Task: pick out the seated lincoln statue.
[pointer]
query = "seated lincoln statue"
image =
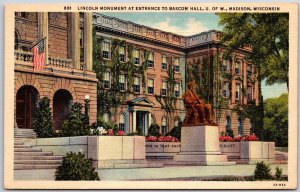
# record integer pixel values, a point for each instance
(197, 112)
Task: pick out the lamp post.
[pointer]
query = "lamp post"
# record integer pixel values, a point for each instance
(87, 108)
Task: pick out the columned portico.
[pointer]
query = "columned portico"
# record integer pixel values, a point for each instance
(140, 111)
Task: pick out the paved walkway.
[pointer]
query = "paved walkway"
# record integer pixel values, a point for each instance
(155, 173)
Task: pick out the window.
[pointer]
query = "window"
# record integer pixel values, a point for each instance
(164, 88)
(177, 90)
(106, 80)
(238, 68)
(151, 86)
(250, 93)
(121, 82)
(176, 65)
(150, 60)
(164, 126)
(177, 121)
(122, 122)
(105, 50)
(240, 126)
(136, 55)
(81, 43)
(238, 92)
(136, 85)
(225, 90)
(122, 54)
(228, 124)
(226, 65)
(249, 70)
(106, 117)
(164, 64)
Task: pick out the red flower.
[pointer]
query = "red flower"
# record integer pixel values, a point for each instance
(110, 132)
(120, 133)
(161, 139)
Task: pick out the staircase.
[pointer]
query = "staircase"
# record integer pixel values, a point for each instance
(24, 133)
(27, 157)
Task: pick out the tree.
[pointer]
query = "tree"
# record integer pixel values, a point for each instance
(267, 33)
(76, 123)
(42, 119)
(276, 120)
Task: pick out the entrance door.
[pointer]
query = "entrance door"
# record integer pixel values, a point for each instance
(26, 101)
(142, 122)
(62, 102)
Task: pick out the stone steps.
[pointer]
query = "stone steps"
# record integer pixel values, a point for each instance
(49, 157)
(29, 167)
(35, 162)
(34, 153)
(28, 149)
(24, 133)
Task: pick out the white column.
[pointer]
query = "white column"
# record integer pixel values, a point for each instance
(88, 40)
(75, 40)
(134, 121)
(149, 119)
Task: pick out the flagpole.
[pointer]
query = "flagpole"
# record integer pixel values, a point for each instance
(37, 43)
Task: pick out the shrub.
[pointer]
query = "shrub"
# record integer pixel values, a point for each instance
(175, 132)
(76, 167)
(42, 119)
(75, 124)
(154, 130)
(278, 173)
(229, 132)
(262, 171)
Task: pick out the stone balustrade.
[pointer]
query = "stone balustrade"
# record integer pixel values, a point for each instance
(60, 62)
(23, 56)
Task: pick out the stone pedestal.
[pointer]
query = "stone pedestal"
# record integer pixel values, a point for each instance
(201, 144)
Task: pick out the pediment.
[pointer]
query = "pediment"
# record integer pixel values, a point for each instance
(140, 101)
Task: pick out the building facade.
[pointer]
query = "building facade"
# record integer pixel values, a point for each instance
(229, 82)
(144, 70)
(67, 76)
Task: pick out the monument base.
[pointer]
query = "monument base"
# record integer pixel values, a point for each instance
(201, 144)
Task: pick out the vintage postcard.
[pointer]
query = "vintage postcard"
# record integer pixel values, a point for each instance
(151, 96)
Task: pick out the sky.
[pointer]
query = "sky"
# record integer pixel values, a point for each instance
(189, 24)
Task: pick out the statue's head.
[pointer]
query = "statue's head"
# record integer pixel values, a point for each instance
(191, 84)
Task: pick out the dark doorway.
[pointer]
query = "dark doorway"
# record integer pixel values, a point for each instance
(142, 122)
(26, 101)
(62, 102)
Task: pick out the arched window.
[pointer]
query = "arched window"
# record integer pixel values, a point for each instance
(122, 122)
(240, 126)
(106, 117)
(164, 125)
(228, 123)
(177, 121)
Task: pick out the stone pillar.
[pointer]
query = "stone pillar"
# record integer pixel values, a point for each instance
(88, 40)
(75, 40)
(149, 119)
(134, 121)
(43, 24)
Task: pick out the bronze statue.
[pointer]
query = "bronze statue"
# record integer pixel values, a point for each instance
(197, 112)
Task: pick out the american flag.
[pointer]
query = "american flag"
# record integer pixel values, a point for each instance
(38, 55)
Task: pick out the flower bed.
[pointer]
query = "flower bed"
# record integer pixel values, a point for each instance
(161, 139)
(227, 138)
